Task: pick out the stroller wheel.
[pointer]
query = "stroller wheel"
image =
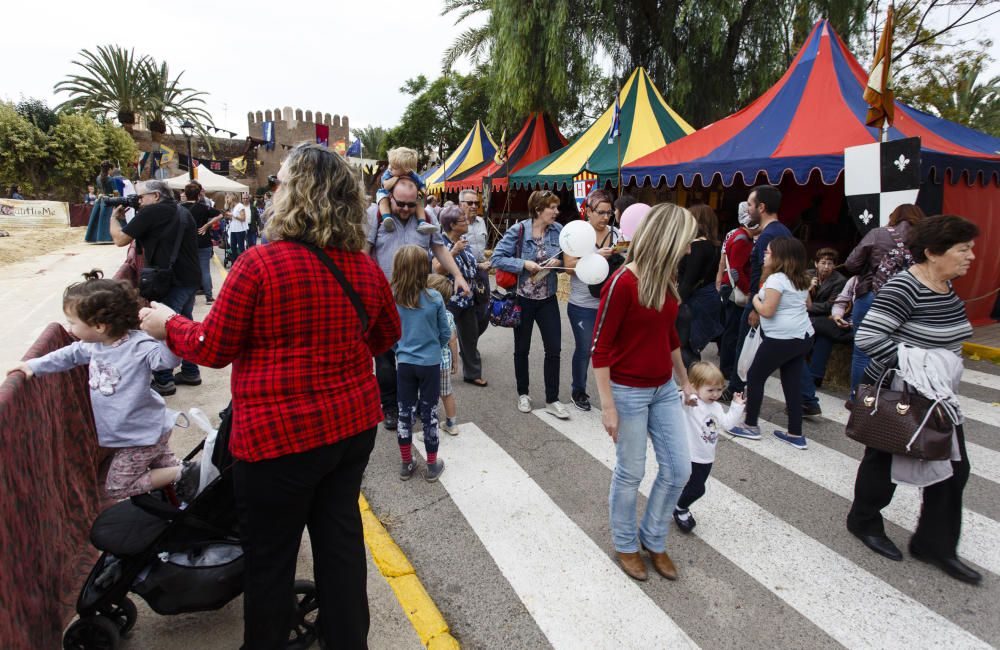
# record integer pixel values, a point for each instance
(304, 632)
(92, 633)
(122, 614)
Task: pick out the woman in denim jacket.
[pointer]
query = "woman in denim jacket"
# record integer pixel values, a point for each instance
(536, 290)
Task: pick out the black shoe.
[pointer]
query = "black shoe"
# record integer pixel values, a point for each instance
(391, 421)
(184, 380)
(165, 390)
(880, 544)
(685, 520)
(726, 397)
(808, 411)
(952, 566)
(209, 300)
(581, 401)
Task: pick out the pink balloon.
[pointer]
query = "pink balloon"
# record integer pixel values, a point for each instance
(631, 219)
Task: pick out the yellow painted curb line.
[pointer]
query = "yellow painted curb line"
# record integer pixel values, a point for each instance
(424, 615)
(978, 352)
(222, 269)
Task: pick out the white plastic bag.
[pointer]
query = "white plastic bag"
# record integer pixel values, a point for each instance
(208, 470)
(748, 353)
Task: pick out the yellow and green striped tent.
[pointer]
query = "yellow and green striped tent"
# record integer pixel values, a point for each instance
(476, 148)
(646, 123)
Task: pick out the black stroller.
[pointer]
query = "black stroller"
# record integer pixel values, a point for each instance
(177, 560)
(229, 255)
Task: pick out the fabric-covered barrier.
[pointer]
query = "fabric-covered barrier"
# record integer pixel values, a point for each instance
(50, 492)
(980, 204)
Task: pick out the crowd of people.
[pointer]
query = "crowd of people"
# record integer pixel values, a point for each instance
(342, 287)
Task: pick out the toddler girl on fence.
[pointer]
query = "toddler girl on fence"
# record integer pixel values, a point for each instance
(131, 418)
(424, 321)
(449, 357)
(705, 420)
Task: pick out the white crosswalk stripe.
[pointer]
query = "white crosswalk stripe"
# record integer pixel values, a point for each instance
(985, 461)
(984, 379)
(530, 539)
(837, 590)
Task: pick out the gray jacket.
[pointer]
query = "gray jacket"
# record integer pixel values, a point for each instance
(866, 256)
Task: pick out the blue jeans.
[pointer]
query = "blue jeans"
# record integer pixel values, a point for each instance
(822, 348)
(205, 260)
(859, 360)
(238, 240)
(582, 319)
(658, 412)
(181, 300)
(808, 385)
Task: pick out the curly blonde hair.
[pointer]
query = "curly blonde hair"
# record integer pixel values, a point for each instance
(319, 201)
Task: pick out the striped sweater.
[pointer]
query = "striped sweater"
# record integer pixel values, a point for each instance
(905, 311)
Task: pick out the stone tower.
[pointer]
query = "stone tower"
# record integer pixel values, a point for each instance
(291, 127)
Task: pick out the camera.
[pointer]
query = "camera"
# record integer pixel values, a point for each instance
(130, 201)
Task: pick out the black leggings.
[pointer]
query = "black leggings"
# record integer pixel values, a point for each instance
(788, 356)
(695, 488)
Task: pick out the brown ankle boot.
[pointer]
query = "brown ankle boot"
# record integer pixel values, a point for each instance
(662, 563)
(633, 566)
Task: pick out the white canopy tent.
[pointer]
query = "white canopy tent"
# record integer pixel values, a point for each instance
(212, 182)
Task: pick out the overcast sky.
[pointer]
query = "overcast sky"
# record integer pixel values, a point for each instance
(346, 58)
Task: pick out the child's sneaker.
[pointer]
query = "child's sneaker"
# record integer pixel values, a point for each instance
(427, 228)
(449, 427)
(388, 224)
(406, 470)
(746, 431)
(524, 404)
(685, 520)
(799, 442)
(434, 470)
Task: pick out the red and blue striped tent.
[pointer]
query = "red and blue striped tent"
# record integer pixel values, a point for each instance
(795, 134)
(803, 123)
(538, 137)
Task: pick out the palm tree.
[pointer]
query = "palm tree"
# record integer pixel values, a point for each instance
(112, 84)
(476, 42)
(167, 102)
(958, 95)
(372, 141)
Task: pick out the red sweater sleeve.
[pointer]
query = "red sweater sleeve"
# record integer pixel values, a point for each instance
(223, 335)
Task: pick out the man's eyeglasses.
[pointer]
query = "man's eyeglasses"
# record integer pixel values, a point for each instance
(476, 203)
(406, 204)
(605, 213)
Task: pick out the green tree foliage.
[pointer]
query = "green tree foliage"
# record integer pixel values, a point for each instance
(957, 93)
(57, 164)
(38, 113)
(440, 114)
(373, 140)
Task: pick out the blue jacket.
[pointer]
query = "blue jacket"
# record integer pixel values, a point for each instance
(504, 253)
(425, 330)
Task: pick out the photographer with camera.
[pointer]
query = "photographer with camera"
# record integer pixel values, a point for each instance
(166, 234)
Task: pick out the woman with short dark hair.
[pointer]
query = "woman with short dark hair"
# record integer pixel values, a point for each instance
(455, 230)
(305, 400)
(918, 307)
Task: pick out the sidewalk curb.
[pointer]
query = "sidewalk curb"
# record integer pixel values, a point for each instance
(424, 615)
(978, 352)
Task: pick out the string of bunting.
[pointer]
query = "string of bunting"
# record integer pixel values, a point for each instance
(215, 129)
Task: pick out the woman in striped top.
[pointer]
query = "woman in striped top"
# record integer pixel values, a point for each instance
(918, 307)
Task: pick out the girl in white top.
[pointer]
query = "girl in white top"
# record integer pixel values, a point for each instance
(705, 420)
(239, 223)
(782, 303)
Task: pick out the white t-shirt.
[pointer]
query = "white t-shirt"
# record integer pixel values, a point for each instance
(236, 225)
(791, 320)
(704, 422)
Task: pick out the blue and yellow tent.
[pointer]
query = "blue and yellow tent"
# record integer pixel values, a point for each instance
(646, 123)
(476, 148)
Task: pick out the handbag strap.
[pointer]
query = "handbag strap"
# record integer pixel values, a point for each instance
(181, 222)
(352, 294)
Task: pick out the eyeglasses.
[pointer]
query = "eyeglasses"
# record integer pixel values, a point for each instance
(406, 204)
(605, 213)
(471, 202)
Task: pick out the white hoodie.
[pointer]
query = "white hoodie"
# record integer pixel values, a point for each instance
(704, 422)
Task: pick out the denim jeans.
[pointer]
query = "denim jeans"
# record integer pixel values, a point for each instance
(238, 240)
(205, 260)
(822, 349)
(582, 320)
(181, 300)
(859, 360)
(656, 411)
(808, 386)
(546, 314)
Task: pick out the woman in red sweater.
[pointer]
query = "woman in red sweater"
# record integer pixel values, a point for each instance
(305, 399)
(636, 355)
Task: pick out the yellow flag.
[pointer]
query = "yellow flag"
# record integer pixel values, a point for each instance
(878, 94)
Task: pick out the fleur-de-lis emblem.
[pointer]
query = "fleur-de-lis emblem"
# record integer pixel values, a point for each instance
(901, 162)
(866, 216)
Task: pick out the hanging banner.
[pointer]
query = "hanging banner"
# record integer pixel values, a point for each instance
(581, 190)
(323, 134)
(15, 213)
(880, 177)
(220, 167)
(267, 130)
(340, 146)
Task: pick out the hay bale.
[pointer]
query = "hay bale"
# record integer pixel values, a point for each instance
(562, 291)
(838, 368)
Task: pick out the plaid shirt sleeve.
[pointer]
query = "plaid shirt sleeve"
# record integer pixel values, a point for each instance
(385, 329)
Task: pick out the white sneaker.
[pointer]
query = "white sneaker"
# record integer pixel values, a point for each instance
(524, 404)
(557, 409)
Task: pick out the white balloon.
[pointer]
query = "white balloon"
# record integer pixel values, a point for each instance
(592, 269)
(578, 238)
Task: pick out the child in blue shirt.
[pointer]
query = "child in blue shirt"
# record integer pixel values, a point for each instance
(425, 331)
(449, 357)
(402, 162)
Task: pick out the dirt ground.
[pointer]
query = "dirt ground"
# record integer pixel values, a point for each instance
(29, 242)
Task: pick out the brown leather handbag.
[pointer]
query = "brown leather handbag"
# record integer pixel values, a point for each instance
(900, 422)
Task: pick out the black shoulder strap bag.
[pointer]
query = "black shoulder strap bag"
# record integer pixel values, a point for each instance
(155, 282)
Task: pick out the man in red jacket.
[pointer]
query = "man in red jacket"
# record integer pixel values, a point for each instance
(734, 270)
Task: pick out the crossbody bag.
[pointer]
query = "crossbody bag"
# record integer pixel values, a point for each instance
(156, 282)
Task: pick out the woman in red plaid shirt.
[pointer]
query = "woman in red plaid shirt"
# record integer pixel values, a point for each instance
(305, 398)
